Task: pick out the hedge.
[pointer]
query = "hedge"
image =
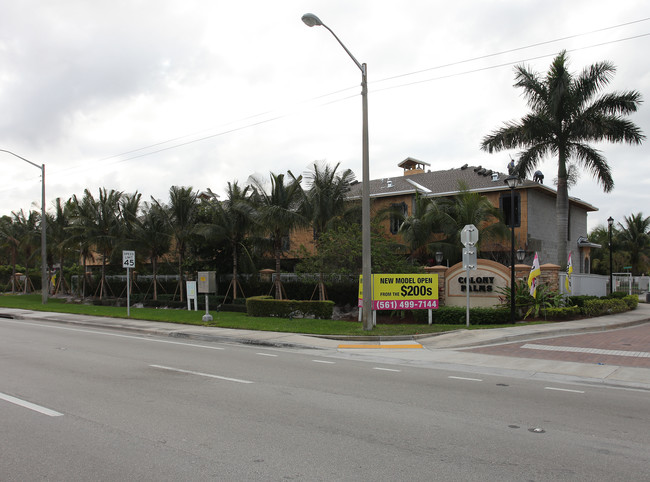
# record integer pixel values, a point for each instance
(267, 306)
(604, 307)
(457, 315)
(562, 313)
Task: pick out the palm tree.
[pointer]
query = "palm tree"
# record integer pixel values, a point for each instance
(325, 203)
(566, 114)
(59, 235)
(277, 213)
(10, 236)
(28, 234)
(418, 228)
(466, 208)
(635, 239)
(232, 221)
(152, 235)
(98, 225)
(181, 216)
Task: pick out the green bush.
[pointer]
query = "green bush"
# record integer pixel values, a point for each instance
(632, 301)
(267, 306)
(457, 315)
(604, 307)
(617, 295)
(562, 313)
(579, 300)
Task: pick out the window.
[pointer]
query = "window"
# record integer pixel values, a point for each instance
(504, 206)
(398, 212)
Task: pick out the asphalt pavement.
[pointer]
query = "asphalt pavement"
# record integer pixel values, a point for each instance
(612, 350)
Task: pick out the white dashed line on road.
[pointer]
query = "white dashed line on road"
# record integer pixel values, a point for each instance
(30, 406)
(563, 390)
(209, 375)
(468, 379)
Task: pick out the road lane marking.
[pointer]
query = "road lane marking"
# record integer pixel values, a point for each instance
(468, 379)
(386, 369)
(30, 406)
(596, 351)
(563, 390)
(266, 354)
(324, 361)
(201, 374)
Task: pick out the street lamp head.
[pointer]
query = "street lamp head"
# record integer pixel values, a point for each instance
(521, 254)
(311, 20)
(610, 221)
(512, 181)
(439, 256)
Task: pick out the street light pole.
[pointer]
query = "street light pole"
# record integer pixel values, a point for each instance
(512, 182)
(610, 223)
(44, 280)
(312, 20)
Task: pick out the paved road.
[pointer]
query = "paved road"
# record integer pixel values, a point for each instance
(628, 347)
(80, 403)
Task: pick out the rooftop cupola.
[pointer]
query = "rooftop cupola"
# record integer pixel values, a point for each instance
(413, 166)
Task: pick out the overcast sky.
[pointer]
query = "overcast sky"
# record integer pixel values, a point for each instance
(142, 95)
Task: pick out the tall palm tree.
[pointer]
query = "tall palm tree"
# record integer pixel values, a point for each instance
(152, 235)
(232, 222)
(567, 113)
(418, 228)
(98, 225)
(277, 213)
(634, 236)
(59, 236)
(181, 215)
(325, 203)
(28, 233)
(10, 237)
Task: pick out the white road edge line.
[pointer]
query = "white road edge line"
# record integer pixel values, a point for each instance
(209, 375)
(563, 390)
(468, 379)
(386, 369)
(30, 406)
(98, 331)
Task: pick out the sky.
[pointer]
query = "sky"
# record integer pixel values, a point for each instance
(141, 95)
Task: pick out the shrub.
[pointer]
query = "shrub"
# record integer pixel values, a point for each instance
(604, 307)
(267, 306)
(632, 301)
(579, 300)
(457, 315)
(562, 313)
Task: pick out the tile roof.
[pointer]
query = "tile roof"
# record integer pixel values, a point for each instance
(445, 183)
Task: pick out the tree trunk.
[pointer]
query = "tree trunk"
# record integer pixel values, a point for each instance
(278, 283)
(180, 274)
(562, 210)
(234, 272)
(154, 267)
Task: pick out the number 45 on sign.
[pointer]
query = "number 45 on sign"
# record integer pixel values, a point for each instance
(128, 259)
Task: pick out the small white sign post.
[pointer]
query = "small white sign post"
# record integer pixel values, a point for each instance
(128, 262)
(469, 238)
(191, 295)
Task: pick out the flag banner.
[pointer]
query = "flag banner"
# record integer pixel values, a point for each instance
(569, 270)
(535, 272)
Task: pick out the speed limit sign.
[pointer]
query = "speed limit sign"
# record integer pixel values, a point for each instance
(128, 259)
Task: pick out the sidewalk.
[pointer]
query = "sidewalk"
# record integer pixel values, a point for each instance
(450, 350)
